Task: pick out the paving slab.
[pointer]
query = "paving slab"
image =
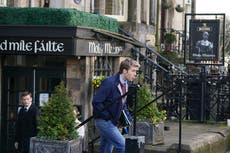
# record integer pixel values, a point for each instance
(195, 138)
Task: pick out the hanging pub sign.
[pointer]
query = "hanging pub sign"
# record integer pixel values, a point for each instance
(204, 40)
(39, 46)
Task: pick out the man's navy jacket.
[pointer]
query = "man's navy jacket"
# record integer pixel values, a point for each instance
(109, 92)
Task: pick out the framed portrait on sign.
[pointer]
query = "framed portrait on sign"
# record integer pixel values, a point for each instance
(204, 40)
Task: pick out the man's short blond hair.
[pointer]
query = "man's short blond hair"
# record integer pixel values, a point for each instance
(127, 63)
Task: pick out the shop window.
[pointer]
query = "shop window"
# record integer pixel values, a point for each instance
(35, 61)
(2, 2)
(104, 66)
(117, 9)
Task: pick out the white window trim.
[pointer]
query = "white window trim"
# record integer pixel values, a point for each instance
(2, 2)
(123, 17)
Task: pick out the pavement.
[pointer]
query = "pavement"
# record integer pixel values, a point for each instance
(195, 138)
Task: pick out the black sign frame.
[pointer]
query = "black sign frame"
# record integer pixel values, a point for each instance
(204, 39)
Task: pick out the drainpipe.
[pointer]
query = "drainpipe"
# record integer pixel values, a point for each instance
(157, 26)
(193, 7)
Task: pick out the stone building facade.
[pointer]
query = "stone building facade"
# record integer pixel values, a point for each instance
(40, 73)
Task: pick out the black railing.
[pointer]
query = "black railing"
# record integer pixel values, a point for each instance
(207, 95)
(158, 55)
(203, 97)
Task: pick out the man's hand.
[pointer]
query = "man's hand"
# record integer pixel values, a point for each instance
(16, 145)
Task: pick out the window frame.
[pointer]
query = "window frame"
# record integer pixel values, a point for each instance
(102, 65)
(123, 17)
(2, 2)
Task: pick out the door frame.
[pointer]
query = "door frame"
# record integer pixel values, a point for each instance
(30, 72)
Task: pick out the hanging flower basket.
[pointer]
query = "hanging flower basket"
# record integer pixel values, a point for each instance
(179, 8)
(166, 5)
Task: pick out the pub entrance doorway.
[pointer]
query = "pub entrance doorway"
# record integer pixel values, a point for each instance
(39, 81)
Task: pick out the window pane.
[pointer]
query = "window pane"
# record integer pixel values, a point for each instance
(114, 7)
(2, 2)
(117, 9)
(104, 66)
